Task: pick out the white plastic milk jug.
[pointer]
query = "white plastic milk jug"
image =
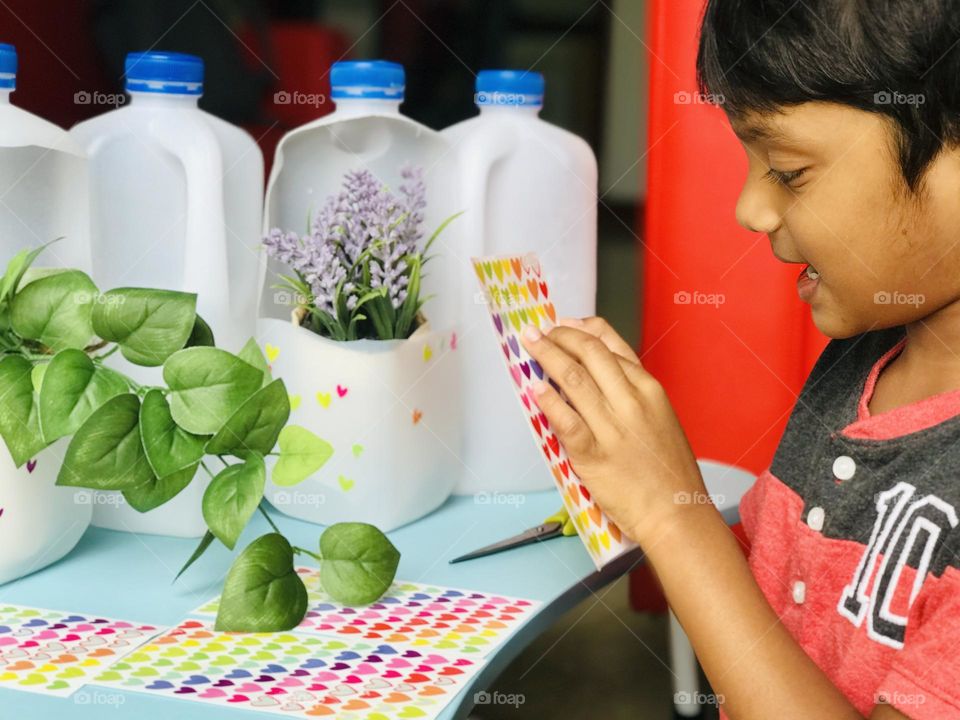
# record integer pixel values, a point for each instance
(389, 408)
(527, 185)
(43, 186)
(176, 204)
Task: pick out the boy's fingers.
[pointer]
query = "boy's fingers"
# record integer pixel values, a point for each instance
(600, 328)
(571, 429)
(573, 378)
(603, 365)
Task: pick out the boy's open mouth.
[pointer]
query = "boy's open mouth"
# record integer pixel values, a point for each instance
(807, 282)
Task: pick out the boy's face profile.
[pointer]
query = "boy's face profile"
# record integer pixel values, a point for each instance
(825, 185)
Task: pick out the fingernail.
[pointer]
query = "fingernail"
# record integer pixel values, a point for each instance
(531, 333)
(539, 387)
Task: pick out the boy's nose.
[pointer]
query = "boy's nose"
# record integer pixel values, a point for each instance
(756, 213)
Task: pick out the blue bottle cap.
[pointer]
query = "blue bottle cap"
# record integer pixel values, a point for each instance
(164, 72)
(509, 87)
(8, 67)
(367, 79)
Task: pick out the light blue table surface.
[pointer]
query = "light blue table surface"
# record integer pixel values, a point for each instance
(127, 576)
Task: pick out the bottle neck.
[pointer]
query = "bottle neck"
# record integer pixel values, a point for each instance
(5, 95)
(168, 100)
(510, 110)
(366, 106)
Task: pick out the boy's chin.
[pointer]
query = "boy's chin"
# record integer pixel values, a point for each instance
(833, 324)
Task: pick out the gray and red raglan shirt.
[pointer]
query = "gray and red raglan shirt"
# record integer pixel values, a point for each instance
(854, 533)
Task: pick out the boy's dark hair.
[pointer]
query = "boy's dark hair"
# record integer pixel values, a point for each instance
(899, 58)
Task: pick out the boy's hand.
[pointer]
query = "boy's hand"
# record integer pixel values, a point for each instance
(618, 427)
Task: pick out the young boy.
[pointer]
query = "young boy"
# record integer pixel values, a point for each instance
(849, 113)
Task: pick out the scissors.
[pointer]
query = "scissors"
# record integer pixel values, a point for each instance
(554, 526)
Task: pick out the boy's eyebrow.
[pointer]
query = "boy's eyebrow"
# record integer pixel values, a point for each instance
(762, 132)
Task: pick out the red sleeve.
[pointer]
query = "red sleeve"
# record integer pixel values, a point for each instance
(924, 681)
(749, 506)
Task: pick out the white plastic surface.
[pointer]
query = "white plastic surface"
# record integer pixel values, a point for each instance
(176, 204)
(40, 522)
(527, 185)
(43, 189)
(377, 402)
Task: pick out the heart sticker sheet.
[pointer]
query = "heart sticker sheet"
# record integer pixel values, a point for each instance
(518, 295)
(416, 615)
(56, 652)
(293, 673)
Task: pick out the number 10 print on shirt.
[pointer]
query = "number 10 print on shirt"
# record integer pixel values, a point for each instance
(907, 528)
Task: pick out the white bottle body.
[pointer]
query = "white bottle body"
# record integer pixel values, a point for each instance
(44, 189)
(527, 186)
(176, 203)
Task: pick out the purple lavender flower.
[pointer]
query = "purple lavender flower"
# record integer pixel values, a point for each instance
(364, 231)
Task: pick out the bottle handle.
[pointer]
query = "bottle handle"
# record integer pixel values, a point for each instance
(205, 262)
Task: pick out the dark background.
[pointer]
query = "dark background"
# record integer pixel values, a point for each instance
(255, 48)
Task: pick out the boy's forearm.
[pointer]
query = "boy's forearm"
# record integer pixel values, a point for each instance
(749, 657)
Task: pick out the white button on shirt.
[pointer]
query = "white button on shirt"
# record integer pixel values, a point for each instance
(799, 591)
(815, 518)
(844, 467)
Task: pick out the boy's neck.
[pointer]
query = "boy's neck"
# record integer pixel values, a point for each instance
(930, 360)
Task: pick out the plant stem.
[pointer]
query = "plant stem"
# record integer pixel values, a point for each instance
(108, 353)
(263, 511)
(99, 345)
(298, 550)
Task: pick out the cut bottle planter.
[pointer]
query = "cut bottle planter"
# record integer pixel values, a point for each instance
(40, 522)
(389, 408)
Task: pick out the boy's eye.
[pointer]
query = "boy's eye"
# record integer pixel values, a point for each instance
(784, 177)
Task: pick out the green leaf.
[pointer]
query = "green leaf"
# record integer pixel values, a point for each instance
(201, 335)
(252, 354)
(169, 447)
(201, 549)
(73, 387)
(36, 376)
(159, 490)
(106, 452)
(55, 310)
(207, 385)
(255, 425)
(262, 592)
(301, 454)
(19, 422)
(17, 266)
(232, 498)
(149, 325)
(359, 562)
(440, 228)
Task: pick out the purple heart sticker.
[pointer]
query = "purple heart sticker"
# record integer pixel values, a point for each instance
(536, 368)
